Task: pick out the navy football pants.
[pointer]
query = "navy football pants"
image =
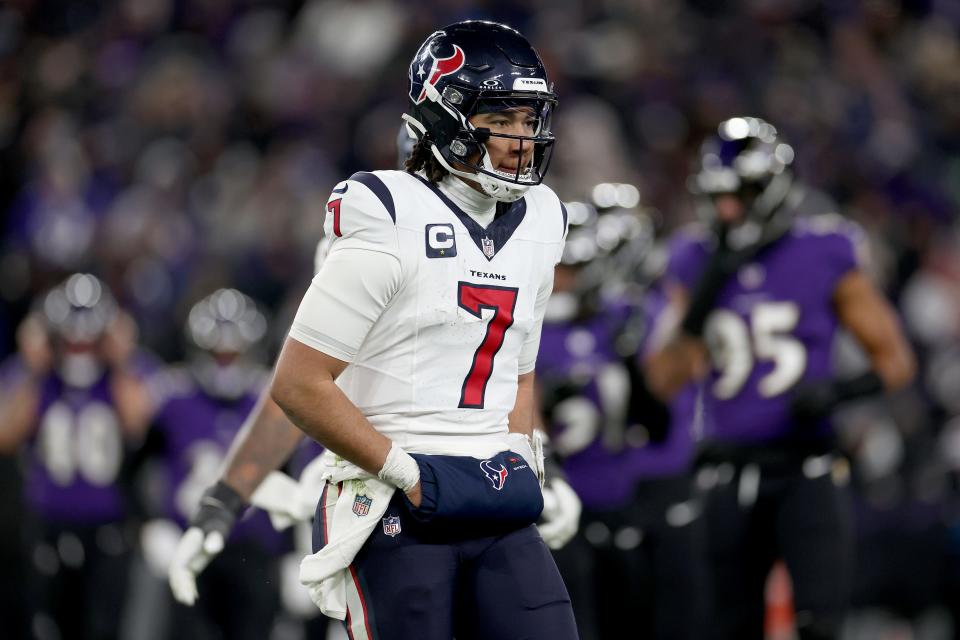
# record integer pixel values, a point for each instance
(430, 585)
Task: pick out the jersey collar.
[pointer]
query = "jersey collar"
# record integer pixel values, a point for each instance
(495, 236)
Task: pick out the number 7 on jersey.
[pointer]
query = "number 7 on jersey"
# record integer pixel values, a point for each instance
(474, 298)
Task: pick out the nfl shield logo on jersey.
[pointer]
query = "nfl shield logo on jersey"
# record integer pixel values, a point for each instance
(488, 249)
(391, 525)
(361, 505)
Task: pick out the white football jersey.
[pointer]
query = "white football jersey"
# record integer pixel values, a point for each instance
(442, 358)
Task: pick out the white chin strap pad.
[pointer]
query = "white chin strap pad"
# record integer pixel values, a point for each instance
(496, 188)
(499, 189)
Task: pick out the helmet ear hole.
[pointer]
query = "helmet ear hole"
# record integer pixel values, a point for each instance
(460, 148)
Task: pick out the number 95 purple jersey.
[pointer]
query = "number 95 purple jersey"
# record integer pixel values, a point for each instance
(773, 323)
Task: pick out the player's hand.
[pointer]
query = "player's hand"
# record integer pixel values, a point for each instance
(813, 401)
(415, 495)
(194, 552)
(33, 343)
(561, 513)
(159, 538)
(204, 539)
(403, 472)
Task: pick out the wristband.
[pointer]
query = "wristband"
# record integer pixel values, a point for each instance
(866, 384)
(815, 400)
(400, 469)
(219, 508)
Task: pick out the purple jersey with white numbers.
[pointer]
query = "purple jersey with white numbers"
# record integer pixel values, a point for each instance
(772, 326)
(579, 365)
(75, 455)
(197, 432)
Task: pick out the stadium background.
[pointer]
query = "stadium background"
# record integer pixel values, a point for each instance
(176, 146)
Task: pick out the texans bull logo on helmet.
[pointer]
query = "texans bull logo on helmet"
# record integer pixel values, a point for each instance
(427, 73)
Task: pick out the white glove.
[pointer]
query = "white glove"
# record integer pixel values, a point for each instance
(218, 510)
(561, 513)
(158, 540)
(194, 552)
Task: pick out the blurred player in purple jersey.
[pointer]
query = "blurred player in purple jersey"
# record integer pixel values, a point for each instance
(76, 404)
(762, 292)
(201, 408)
(635, 548)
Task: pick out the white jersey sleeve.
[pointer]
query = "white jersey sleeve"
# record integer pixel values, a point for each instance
(358, 270)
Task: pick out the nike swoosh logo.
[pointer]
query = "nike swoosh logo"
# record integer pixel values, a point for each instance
(344, 190)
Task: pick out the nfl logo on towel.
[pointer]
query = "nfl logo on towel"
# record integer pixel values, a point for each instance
(361, 505)
(488, 248)
(391, 525)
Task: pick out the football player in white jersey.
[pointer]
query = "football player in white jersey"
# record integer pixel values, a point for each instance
(411, 359)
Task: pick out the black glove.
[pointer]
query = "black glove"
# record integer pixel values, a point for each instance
(815, 400)
(219, 509)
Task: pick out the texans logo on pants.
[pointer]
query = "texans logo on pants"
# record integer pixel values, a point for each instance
(497, 477)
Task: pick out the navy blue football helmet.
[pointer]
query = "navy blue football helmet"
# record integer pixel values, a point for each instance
(476, 67)
(749, 159)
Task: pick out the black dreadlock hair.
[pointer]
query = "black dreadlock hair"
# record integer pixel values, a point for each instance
(422, 158)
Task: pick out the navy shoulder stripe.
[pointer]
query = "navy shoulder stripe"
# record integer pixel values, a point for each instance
(379, 189)
(563, 209)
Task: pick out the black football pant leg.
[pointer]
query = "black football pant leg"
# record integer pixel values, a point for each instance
(816, 537)
(673, 548)
(239, 592)
(608, 584)
(80, 583)
(741, 542)
(806, 521)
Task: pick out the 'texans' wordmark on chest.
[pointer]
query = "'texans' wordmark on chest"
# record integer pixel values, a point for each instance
(485, 274)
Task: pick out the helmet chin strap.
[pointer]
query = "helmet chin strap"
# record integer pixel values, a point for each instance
(498, 189)
(414, 127)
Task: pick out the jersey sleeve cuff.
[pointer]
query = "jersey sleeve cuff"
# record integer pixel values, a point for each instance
(322, 343)
(526, 367)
